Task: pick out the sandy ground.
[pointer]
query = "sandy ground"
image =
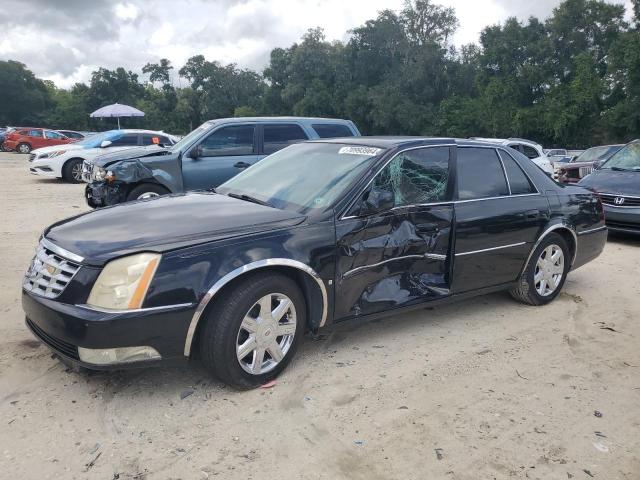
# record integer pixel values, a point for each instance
(484, 389)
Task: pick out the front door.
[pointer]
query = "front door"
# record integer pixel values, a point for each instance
(400, 255)
(497, 220)
(227, 151)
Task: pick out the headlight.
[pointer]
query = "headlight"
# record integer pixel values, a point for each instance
(98, 174)
(57, 153)
(123, 283)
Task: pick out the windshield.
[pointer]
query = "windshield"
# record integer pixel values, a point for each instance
(303, 177)
(186, 140)
(94, 141)
(628, 158)
(597, 153)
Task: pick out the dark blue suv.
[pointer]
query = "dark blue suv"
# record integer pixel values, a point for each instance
(205, 158)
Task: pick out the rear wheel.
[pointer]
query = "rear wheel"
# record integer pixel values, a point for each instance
(545, 273)
(23, 148)
(253, 331)
(72, 171)
(146, 190)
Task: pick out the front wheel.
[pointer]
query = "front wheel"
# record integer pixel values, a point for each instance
(72, 171)
(146, 190)
(23, 148)
(545, 273)
(253, 331)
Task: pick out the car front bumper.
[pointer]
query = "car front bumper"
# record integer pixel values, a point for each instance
(623, 219)
(64, 328)
(104, 194)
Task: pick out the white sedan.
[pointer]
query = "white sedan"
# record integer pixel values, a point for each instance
(65, 161)
(530, 149)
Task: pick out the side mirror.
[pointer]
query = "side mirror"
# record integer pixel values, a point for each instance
(195, 152)
(596, 164)
(105, 143)
(377, 200)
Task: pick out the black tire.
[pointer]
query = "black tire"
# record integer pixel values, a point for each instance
(219, 335)
(72, 170)
(150, 189)
(23, 148)
(526, 291)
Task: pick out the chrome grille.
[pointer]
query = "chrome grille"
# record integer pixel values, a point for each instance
(620, 200)
(584, 171)
(49, 273)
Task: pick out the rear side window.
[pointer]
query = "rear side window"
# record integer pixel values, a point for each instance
(127, 140)
(233, 140)
(53, 135)
(332, 130)
(34, 133)
(480, 174)
(276, 137)
(518, 181)
(150, 139)
(416, 176)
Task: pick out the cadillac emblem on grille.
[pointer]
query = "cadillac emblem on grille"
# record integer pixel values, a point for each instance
(48, 273)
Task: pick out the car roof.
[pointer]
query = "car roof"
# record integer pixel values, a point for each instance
(394, 142)
(277, 119)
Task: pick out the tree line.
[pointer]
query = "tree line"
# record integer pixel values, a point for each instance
(571, 80)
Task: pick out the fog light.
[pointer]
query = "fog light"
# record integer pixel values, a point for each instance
(114, 356)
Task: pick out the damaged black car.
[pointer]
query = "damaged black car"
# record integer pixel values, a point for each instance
(317, 233)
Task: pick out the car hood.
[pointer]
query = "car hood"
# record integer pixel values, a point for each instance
(164, 223)
(610, 181)
(129, 154)
(54, 148)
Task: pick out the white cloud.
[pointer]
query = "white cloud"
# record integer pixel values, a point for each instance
(67, 41)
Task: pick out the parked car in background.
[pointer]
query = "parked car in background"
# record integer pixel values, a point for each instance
(583, 165)
(617, 181)
(528, 148)
(207, 157)
(317, 233)
(65, 161)
(23, 140)
(72, 134)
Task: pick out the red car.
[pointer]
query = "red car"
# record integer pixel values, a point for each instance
(24, 140)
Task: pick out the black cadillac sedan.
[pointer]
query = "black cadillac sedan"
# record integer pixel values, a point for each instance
(317, 233)
(618, 183)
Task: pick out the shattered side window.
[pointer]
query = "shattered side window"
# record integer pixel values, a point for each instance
(416, 176)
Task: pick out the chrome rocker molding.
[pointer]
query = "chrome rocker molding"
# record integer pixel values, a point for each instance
(592, 230)
(270, 262)
(66, 254)
(553, 228)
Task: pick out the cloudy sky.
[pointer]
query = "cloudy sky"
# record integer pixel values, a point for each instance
(64, 40)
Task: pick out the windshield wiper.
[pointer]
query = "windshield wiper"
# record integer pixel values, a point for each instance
(248, 198)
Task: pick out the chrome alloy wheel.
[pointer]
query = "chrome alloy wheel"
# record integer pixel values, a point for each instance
(24, 148)
(266, 333)
(549, 270)
(144, 195)
(76, 172)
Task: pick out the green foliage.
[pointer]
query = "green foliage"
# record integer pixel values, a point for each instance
(571, 80)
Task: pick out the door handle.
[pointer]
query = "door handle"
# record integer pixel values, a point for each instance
(427, 228)
(242, 165)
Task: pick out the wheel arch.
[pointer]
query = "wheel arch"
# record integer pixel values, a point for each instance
(568, 234)
(64, 164)
(309, 281)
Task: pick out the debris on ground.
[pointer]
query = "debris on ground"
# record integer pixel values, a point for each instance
(88, 466)
(588, 472)
(600, 434)
(270, 384)
(524, 378)
(359, 442)
(601, 447)
(186, 392)
(439, 453)
(597, 414)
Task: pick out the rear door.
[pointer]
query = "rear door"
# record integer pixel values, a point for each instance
(36, 138)
(55, 138)
(399, 256)
(499, 213)
(224, 153)
(277, 136)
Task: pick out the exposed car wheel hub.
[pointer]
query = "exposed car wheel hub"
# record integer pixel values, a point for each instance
(147, 195)
(266, 334)
(549, 270)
